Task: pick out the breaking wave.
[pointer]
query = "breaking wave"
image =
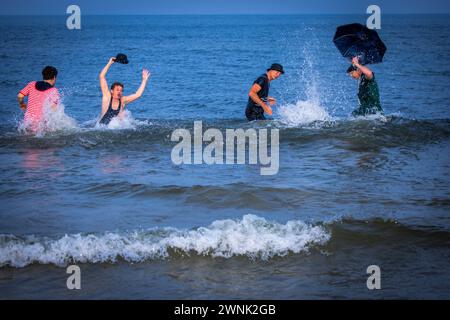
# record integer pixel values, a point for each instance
(252, 236)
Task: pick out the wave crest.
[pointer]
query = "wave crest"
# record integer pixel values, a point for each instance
(252, 236)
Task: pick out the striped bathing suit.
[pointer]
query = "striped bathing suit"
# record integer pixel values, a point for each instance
(39, 93)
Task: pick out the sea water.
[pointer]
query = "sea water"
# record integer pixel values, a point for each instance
(349, 193)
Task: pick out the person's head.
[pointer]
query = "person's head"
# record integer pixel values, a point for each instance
(49, 74)
(116, 90)
(354, 72)
(275, 71)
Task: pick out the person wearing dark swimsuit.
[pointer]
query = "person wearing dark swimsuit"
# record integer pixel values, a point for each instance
(114, 96)
(111, 113)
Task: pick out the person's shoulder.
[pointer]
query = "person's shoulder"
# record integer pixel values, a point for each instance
(106, 95)
(373, 78)
(30, 85)
(365, 79)
(262, 78)
(54, 91)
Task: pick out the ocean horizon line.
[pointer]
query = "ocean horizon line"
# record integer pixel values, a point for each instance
(224, 14)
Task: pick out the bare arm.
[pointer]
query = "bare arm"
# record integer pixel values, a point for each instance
(22, 104)
(102, 77)
(253, 94)
(140, 90)
(366, 71)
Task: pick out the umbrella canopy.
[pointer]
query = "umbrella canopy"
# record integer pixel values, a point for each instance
(357, 40)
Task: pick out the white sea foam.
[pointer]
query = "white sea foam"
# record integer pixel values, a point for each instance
(252, 236)
(371, 117)
(53, 120)
(56, 120)
(126, 121)
(302, 113)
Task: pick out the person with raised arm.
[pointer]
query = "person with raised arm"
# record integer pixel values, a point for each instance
(113, 101)
(368, 93)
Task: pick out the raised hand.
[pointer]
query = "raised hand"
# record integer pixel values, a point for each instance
(145, 74)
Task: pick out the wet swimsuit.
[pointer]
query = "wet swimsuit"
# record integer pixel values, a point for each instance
(369, 97)
(39, 94)
(254, 111)
(111, 113)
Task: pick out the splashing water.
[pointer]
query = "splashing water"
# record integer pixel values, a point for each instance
(302, 113)
(56, 120)
(304, 87)
(53, 120)
(126, 121)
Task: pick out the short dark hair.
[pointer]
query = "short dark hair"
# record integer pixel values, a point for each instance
(49, 72)
(351, 69)
(115, 84)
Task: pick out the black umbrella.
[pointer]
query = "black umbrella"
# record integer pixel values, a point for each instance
(357, 40)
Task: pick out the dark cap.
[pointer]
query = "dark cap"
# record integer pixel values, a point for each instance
(121, 58)
(276, 67)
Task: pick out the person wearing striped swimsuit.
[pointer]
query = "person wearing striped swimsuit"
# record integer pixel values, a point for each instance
(40, 94)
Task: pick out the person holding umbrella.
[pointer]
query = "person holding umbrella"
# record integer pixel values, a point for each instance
(368, 93)
(363, 46)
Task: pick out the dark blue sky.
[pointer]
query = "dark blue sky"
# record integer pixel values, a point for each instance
(53, 7)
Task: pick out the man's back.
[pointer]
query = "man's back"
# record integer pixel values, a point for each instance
(369, 97)
(39, 94)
